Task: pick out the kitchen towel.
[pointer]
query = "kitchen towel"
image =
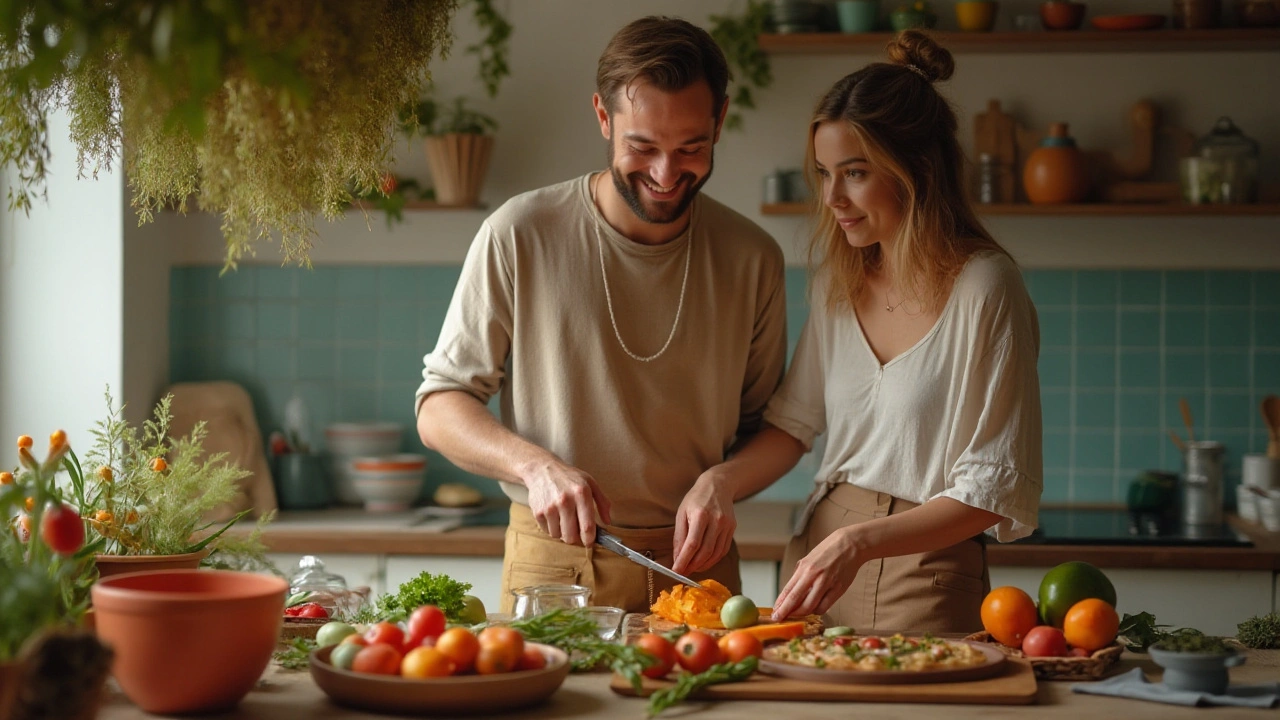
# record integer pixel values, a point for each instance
(1134, 684)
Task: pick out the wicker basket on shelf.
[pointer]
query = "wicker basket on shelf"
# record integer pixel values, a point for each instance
(1093, 667)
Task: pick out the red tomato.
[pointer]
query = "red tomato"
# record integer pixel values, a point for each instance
(387, 183)
(661, 650)
(1079, 652)
(494, 659)
(697, 651)
(871, 643)
(740, 645)
(378, 659)
(354, 639)
(62, 529)
(386, 633)
(427, 621)
(532, 659)
(1044, 641)
(307, 610)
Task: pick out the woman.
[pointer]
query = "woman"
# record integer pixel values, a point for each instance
(918, 362)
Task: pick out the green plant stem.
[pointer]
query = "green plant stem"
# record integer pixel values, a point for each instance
(687, 684)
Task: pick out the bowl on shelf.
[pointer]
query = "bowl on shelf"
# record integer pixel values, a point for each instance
(1128, 22)
(189, 641)
(976, 15)
(1061, 15)
(390, 483)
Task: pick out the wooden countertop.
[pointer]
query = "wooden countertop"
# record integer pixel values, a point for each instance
(292, 694)
(763, 532)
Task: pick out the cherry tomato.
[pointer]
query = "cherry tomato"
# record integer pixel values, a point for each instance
(62, 529)
(495, 659)
(1044, 641)
(424, 663)
(377, 659)
(661, 650)
(532, 659)
(307, 610)
(738, 646)
(697, 651)
(460, 646)
(871, 643)
(354, 639)
(385, 632)
(427, 621)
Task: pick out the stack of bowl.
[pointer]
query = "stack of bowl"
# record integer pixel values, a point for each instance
(389, 483)
(348, 441)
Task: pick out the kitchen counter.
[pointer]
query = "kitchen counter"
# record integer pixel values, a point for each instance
(763, 531)
(292, 694)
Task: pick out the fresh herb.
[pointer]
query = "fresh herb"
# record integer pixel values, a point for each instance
(295, 655)
(688, 684)
(1193, 643)
(426, 589)
(297, 598)
(1139, 632)
(891, 662)
(819, 662)
(1260, 633)
(366, 615)
(578, 635)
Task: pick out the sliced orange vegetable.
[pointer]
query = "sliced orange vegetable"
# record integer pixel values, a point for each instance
(776, 631)
(696, 607)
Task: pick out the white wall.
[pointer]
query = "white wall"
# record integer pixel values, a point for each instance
(548, 133)
(61, 325)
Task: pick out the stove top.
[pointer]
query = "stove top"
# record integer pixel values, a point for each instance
(1077, 526)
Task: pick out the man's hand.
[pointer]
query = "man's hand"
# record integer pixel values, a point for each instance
(821, 577)
(564, 501)
(704, 525)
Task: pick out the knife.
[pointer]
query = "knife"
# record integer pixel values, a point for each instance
(611, 542)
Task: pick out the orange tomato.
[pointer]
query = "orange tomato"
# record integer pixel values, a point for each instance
(159, 465)
(532, 659)
(56, 439)
(495, 659)
(354, 639)
(6, 478)
(460, 646)
(1091, 624)
(738, 646)
(1008, 614)
(379, 659)
(424, 662)
(25, 442)
(105, 473)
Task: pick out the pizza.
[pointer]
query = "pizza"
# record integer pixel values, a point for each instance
(877, 654)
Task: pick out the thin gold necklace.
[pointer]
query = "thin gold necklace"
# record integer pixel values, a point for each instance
(609, 300)
(889, 307)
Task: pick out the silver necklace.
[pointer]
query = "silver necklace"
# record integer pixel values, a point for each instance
(609, 300)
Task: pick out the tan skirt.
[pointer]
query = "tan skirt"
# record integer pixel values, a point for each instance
(532, 557)
(939, 591)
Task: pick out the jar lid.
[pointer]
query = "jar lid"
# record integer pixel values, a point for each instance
(1226, 140)
(312, 577)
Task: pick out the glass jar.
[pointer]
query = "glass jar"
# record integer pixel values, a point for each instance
(991, 180)
(1228, 161)
(538, 599)
(326, 589)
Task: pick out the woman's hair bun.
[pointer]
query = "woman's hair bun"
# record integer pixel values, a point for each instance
(915, 48)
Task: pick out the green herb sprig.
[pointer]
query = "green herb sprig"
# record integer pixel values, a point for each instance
(1260, 632)
(426, 589)
(688, 683)
(296, 654)
(577, 634)
(1139, 632)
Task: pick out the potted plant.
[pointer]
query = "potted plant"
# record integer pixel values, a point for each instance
(1195, 662)
(48, 667)
(459, 139)
(739, 38)
(145, 496)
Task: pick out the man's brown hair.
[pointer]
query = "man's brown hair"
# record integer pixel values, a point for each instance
(669, 53)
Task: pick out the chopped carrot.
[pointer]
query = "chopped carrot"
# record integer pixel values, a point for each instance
(776, 631)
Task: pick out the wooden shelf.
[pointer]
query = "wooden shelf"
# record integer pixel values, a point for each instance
(419, 205)
(1082, 210)
(1073, 41)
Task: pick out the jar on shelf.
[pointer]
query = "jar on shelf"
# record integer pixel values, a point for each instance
(991, 180)
(1056, 172)
(1196, 14)
(1224, 168)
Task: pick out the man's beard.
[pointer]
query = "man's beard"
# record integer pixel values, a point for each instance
(659, 215)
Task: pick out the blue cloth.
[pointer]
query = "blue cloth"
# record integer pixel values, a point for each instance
(1134, 684)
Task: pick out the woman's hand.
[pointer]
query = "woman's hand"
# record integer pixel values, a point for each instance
(564, 501)
(704, 524)
(821, 577)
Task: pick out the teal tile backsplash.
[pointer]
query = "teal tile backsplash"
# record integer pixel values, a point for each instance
(1118, 351)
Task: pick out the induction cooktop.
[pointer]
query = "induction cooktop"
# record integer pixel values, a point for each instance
(1089, 526)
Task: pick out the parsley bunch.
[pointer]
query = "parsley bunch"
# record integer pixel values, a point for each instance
(426, 589)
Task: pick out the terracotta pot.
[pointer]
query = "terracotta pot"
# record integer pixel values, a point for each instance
(59, 674)
(1056, 172)
(109, 565)
(11, 677)
(189, 641)
(458, 163)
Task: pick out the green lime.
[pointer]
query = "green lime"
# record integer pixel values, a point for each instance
(473, 611)
(331, 633)
(1068, 584)
(739, 612)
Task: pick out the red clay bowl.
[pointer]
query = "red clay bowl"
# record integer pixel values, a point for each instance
(189, 641)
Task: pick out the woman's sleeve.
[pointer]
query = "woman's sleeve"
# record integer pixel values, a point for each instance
(799, 407)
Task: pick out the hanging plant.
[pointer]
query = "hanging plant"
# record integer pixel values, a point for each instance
(739, 38)
(264, 112)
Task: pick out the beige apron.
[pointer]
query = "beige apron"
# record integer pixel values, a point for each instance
(531, 557)
(939, 591)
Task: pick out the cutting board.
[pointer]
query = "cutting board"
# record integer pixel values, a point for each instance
(1016, 686)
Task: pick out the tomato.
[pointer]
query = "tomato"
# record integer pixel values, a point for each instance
(333, 633)
(307, 610)
(502, 637)
(1044, 641)
(377, 659)
(62, 529)
(387, 183)
(427, 621)
(697, 651)
(425, 663)
(385, 632)
(532, 659)
(1079, 652)
(460, 646)
(495, 659)
(344, 654)
(871, 643)
(660, 649)
(356, 639)
(738, 646)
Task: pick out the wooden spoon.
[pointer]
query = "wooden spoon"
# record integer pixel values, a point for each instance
(1177, 442)
(1271, 415)
(1186, 419)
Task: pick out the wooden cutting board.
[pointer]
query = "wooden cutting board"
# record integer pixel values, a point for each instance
(1016, 686)
(812, 623)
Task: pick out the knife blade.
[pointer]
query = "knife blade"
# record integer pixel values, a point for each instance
(612, 543)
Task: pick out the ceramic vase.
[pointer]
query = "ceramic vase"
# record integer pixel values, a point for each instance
(458, 163)
(1057, 172)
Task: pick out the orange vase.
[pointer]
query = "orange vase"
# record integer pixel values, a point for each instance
(1057, 172)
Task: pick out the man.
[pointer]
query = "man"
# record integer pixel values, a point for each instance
(635, 329)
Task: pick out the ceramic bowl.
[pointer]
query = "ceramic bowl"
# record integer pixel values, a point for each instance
(462, 694)
(976, 15)
(1057, 15)
(389, 484)
(189, 641)
(346, 441)
(1196, 672)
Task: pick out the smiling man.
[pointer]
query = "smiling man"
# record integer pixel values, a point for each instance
(633, 330)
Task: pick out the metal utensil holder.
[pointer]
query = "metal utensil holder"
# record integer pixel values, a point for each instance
(1202, 478)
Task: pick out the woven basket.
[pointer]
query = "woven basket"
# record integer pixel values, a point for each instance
(1061, 668)
(301, 628)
